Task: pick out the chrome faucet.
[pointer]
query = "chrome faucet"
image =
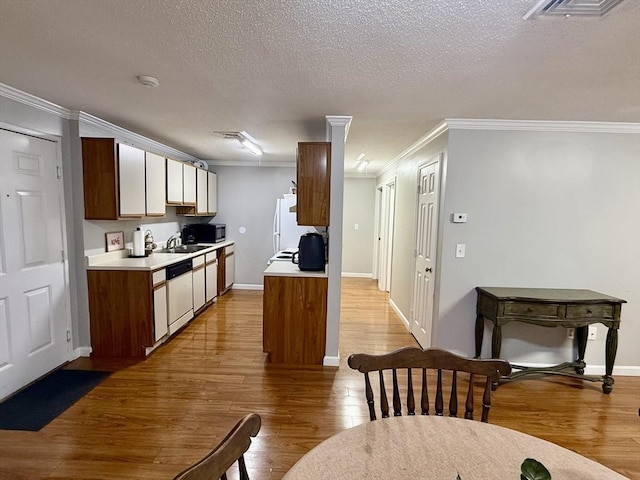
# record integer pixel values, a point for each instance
(171, 242)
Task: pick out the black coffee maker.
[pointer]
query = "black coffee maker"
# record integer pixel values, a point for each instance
(310, 255)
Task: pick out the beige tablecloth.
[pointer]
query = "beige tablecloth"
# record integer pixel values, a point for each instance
(429, 447)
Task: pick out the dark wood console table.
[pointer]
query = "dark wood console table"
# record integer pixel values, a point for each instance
(551, 307)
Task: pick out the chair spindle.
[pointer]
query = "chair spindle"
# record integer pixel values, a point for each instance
(424, 397)
(384, 403)
(453, 398)
(468, 410)
(411, 403)
(439, 403)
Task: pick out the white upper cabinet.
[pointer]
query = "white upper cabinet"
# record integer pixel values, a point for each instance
(174, 182)
(202, 192)
(155, 180)
(212, 197)
(131, 181)
(188, 184)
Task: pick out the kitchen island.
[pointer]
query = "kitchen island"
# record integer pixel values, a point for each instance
(294, 314)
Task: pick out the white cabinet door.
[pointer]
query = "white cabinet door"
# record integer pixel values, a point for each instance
(211, 280)
(156, 179)
(212, 198)
(201, 191)
(174, 182)
(198, 289)
(160, 318)
(230, 270)
(131, 181)
(188, 184)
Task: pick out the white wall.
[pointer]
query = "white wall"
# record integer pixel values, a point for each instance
(545, 209)
(247, 198)
(357, 244)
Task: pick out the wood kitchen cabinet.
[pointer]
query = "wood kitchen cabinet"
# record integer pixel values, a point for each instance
(212, 193)
(226, 268)
(175, 183)
(206, 203)
(313, 174)
(121, 181)
(294, 319)
(188, 184)
(202, 192)
(211, 277)
(199, 287)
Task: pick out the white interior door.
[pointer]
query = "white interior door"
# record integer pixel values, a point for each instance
(33, 310)
(426, 245)
(386, 236)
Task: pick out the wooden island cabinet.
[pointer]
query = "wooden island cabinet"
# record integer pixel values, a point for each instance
(294, 314)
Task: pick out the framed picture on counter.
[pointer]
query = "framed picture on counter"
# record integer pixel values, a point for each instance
(115, 241)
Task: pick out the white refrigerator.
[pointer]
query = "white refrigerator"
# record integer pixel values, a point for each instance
(286, 231)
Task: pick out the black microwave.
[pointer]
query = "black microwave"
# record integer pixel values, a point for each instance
(204, 233)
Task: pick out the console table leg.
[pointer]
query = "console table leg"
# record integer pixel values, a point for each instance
(611, 349)
(496, 341)
(479, 333)
(581, 334)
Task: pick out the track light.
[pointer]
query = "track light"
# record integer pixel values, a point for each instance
(249, 143)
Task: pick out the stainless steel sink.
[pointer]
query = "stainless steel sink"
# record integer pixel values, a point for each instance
(183, 249)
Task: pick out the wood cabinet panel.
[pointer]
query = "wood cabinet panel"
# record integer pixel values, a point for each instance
(160, 316)
(121, 312)
(313, 175)
(202, 192)
(294, 319)
(100, 177)
(199, 288)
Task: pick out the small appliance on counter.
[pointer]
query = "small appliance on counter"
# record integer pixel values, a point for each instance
(204, 233)
(149, 245)
(311, 253)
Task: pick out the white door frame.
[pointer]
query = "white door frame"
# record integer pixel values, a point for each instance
(63, 224)
(377, 225)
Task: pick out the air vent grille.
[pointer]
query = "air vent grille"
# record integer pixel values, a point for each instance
(564, 8)
(230, 135)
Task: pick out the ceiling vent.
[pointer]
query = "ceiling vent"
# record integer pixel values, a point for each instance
(570, 8)
(229, 135)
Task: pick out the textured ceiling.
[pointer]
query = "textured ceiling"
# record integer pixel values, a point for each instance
(275, 68)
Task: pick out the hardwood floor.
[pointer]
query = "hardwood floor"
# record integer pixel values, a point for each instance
(152, 419)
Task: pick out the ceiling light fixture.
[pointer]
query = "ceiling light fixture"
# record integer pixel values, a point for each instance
(362, 166)
(148, 81)
(568, 8)
(249, 143)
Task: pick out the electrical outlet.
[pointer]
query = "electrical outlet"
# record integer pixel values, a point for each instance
(460, 250)
(593, 332)
(571, 332)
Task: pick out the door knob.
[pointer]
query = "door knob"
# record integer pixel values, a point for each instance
(428, 269)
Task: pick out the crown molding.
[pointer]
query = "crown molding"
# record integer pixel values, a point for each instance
(360, 175)
(542, 125)
(33, 101)
(429, 137)
(249, 163)
(127, 136)
(340, 121)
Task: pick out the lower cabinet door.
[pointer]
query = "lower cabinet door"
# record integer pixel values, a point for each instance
(198, 289)
(211, 281)
(160, 319)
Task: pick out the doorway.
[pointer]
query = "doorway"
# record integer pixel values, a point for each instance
(34, 319)
(385, 199)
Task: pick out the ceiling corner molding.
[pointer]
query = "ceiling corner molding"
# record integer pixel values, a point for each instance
(429, 137)
(128, 136)
(542, 125)
(360, 175)
(340, 121)
(249, 163)
(33, 101)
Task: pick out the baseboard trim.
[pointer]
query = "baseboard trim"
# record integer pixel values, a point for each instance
(357, 275)
(331, 361)
(404, 319)
(81, 352)
(246, 286)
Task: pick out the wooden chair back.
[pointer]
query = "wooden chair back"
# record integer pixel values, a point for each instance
(430, 359)
(230, 450)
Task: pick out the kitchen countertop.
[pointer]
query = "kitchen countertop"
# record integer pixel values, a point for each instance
(120, 260)
(289, 269)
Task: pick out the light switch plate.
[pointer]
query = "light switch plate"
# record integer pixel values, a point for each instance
(459, 218)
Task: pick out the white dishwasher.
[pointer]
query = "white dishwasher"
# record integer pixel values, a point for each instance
(179, 294)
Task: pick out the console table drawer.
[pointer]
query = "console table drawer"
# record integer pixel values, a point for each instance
(548, 310)
(582, 311)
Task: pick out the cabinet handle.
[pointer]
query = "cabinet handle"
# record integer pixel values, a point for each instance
(428, 269)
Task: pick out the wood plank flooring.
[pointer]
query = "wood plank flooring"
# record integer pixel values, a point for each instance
(151, 419)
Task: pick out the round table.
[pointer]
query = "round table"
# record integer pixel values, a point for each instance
(430, 447)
